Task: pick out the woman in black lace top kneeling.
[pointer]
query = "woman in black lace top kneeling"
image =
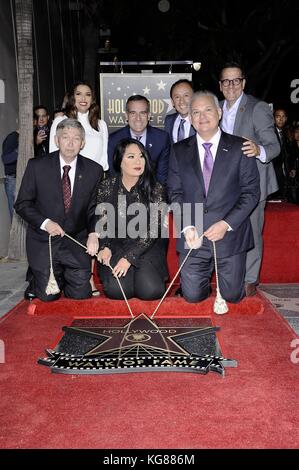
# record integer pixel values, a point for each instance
(132, 208)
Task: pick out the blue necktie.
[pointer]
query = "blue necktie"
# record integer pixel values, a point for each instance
(208, 163)
(181, 130)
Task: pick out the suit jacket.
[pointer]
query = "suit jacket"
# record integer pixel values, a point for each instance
(254, 120)
(233, 193)
(169, 123)
(41, 197)
(157, 145)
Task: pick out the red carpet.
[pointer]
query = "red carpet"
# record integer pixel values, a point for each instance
(254, 406)
(280, 239)
(281, 244)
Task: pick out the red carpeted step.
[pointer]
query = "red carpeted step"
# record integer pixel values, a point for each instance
(176, 306)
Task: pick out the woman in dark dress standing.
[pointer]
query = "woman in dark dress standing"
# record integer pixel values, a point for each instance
(132, 207)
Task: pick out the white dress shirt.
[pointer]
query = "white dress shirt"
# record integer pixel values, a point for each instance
(187, 126)
(214, 141)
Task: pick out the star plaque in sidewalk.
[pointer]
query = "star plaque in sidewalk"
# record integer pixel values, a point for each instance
(98, 346)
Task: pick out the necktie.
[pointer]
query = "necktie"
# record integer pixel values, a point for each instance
(208, 163)
(138, 137)
(181, 130)
(280, 136)
(66, 187)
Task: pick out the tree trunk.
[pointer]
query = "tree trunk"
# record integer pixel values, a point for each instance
(17, 249)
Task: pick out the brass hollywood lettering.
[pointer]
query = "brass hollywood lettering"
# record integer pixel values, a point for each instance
(116, 106)
(157, 106)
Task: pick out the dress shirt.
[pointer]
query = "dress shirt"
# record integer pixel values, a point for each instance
(143, 136)
(187, 126)
(228, 124)
(215, 142)
(71, 174)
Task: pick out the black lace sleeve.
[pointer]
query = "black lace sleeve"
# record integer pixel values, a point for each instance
(105, 213)
(133, 248)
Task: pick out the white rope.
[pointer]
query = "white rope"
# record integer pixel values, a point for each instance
(170, 285)
(123, 292)
(52, 286)
(120, 286)
(220, 306)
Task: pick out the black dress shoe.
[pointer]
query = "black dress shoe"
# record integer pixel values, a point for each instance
(28, 294)
(250, 289)
(179, 292)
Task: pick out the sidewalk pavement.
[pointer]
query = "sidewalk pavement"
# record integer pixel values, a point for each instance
(12, 283)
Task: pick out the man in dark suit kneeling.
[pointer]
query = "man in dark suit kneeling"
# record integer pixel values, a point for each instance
(57, 196)
(209, 172)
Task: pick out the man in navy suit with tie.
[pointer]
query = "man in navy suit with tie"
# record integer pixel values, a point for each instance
(156, 141)
(210, 173)
(58, 194)
(178, 125)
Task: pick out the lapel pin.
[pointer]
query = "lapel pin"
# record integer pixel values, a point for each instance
(225, 150)
(79, 177)
(150, 145)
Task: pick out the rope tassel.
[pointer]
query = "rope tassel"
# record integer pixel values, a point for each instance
(52, 286)
(220, 306)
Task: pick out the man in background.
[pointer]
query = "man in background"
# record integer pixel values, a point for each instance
(178, 124)
(281, 163)
(10, 149)
(41, 131)
(156, 141)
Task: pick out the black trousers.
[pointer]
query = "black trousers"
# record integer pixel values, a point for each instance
(71, 270)
(144, 282)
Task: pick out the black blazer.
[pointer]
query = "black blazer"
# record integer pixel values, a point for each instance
(233, 193)
(169, 123)
(40, 197)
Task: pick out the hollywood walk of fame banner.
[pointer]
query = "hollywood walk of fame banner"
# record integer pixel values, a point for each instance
(116, 88)
(106, 345)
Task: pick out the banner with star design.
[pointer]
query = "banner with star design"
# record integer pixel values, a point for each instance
(116, 88)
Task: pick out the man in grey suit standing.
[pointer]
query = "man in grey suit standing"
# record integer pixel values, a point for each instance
(246, 116)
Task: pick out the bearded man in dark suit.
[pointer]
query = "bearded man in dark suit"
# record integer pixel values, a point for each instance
(57, 196)
(210, 173)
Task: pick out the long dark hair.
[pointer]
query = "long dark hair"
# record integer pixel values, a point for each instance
(147, 180)
(94, 110)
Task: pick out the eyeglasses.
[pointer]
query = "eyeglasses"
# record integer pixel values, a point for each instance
(235, 81)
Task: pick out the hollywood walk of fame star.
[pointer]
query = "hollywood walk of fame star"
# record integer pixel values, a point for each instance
(141, 332)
